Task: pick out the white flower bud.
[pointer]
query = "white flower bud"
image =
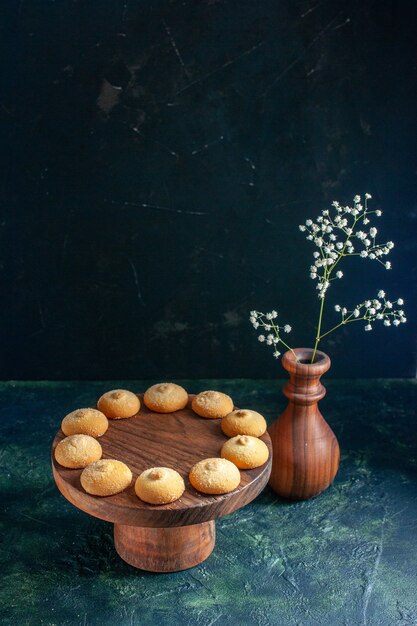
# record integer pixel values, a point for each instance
(339, 274)
(368, 327)
(261, 338)
(287, 328)
(400, 301)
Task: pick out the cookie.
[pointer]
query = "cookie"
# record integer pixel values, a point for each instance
(165, 398)
(244, 422)
(245, 452)
(214, 476)
(212, 404)
(159, 485)
(106, 477)
(78, 451)
(85, 422)
(119, 403)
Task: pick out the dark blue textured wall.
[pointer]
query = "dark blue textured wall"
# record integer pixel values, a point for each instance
(159, 158)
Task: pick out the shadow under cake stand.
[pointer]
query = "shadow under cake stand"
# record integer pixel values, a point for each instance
(170, 537)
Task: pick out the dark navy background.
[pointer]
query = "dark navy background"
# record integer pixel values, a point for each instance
(158, 159)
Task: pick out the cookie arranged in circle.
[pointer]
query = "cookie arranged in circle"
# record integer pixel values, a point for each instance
(106, 477)
(245, 452)
(244, 422)
(165, 398)
(77, 451)
(214, 476)
(85, 422)
(119, 404)
(159, 485)
(212, 404)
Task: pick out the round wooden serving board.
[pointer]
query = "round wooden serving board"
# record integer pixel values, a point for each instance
(177, 440)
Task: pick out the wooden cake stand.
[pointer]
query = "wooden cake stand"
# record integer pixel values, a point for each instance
(169, 537)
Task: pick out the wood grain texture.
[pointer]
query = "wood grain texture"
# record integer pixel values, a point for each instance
(165, 549)
(176, 440)
(306, 451)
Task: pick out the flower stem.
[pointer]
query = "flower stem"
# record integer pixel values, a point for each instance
(318, 330)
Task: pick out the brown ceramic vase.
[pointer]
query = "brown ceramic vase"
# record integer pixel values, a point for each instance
(305, 449)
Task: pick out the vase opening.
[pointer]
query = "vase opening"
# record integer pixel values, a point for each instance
(307, 360)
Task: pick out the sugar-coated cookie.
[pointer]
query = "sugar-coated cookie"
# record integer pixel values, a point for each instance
(165, 398)
(159, 485)
(106, 477)
(244, 422)
(85, 422)
(119, 403)
(78, 451)
(214, 476)
(212, 404)
(245, 452)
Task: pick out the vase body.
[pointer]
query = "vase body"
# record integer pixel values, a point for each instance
(305, 450)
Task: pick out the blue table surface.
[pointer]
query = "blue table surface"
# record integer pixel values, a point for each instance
(347, 557)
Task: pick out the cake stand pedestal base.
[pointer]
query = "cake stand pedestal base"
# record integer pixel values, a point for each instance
(165, 549)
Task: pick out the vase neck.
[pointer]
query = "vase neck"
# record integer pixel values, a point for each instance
(304, 386)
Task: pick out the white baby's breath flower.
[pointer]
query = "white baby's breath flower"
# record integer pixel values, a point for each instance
(333, 232)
